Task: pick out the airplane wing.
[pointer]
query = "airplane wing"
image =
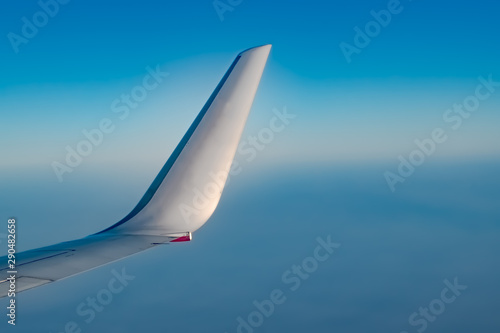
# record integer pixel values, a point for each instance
(179, 201)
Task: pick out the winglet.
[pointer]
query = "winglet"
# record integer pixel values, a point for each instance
(188, 188)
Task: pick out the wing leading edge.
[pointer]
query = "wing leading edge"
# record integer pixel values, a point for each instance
(181, 198)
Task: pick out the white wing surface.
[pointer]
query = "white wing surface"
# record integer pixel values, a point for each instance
(179, 201)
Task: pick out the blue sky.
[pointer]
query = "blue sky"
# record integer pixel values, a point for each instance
(325, 174)
(427, 58)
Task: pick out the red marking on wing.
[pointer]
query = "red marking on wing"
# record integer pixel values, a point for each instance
(186, 238)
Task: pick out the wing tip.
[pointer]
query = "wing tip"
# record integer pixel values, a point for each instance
(266, 47)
